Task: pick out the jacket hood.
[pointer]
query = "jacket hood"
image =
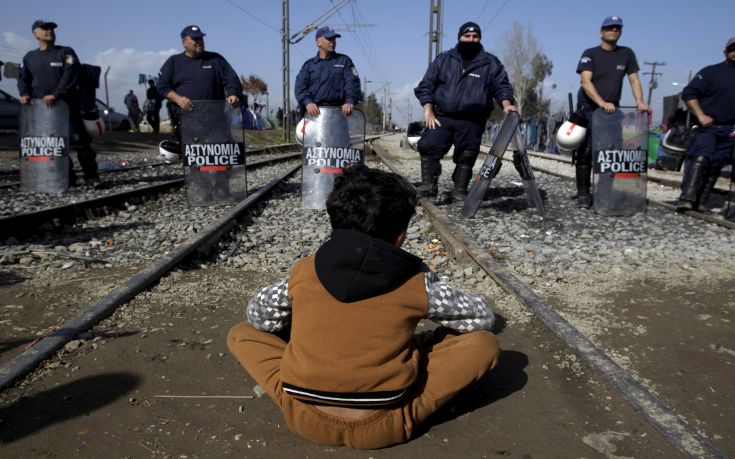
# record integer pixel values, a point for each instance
(353, 266)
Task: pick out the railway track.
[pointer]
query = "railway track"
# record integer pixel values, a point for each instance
(555, 390)
(663, 187)
(24, 223)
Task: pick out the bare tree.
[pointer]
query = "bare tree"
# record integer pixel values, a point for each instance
(526, 65)
(253, 85)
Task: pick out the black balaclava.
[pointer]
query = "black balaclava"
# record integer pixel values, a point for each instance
(468, 50)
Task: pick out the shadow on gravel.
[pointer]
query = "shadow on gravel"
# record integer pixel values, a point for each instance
(35, 412)
(11, 344)
(503, 380)
(8, 278)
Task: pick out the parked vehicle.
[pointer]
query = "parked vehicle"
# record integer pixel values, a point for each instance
(9, 110)
(114, 121)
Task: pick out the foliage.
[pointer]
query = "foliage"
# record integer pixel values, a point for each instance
(253, 85)
(373, 111)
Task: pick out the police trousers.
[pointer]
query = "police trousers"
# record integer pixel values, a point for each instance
(449, 363)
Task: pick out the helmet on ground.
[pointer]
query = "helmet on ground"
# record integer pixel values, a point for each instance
(301, 129)
(170, 151)
(571, 133)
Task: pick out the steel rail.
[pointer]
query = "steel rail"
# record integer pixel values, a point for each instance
(661, 417)
(31, 358)
(280, 148)
(24, 223)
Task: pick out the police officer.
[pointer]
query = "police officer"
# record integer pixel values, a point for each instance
(456, 94)
(602, 70)
(52, 73)
(328, 79)
(710, 96)
(196, 74)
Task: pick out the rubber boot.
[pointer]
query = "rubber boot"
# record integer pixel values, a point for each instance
(461, 178)
(584, 182)
(708, 187)
(429, 187)
(696, 172)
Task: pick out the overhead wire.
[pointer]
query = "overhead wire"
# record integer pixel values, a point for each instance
(482, 10)
(278, 31)
(496, 14)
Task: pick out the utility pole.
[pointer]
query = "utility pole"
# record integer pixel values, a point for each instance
(652, 84)
(435, 28)
(286, 73)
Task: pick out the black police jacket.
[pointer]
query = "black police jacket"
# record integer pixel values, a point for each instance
(465, 93)
(54, 71)
(333, 80)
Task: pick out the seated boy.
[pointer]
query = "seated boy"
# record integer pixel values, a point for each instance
(350, 370)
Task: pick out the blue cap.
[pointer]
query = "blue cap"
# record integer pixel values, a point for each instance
(44, 24)
(326, 32)
(612, 21)
(192, 31)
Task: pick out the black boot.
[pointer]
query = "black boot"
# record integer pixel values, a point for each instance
(429, 187)
(708, 186)
(584, 182)
(696, 172)
(461, 178)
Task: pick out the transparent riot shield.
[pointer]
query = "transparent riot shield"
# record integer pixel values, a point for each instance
(44, 147)
(523, 166)
(332, 142)
(619, 160)
(213, 154)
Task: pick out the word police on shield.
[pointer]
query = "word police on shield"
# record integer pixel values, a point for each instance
(42, 148)
(332, 157)
(621, 161)
(214, 154)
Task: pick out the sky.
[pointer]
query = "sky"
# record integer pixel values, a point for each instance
(387, 40)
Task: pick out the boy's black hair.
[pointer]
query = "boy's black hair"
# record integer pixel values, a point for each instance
(372, 201)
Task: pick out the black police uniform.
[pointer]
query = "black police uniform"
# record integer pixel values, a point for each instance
(712, 146)
(461, 93)
(199, 78)
(56, 71)
(331, 81)
(609, 69)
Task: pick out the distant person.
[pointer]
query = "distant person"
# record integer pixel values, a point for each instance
(602, 70)
(328, 79)
(334, 344)
(196, 74)
(457, 95)
(134, 112)
(710, 97)
(153, 104)
(51, 73)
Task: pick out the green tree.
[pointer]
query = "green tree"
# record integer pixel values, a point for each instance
(373, 112)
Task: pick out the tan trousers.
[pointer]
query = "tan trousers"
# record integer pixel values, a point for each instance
(449, 363)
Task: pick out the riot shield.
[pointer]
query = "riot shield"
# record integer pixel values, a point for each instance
(523, 166)
(489, 167)
(214, 162)
(332, 142)
(620, 158)
(44, 147)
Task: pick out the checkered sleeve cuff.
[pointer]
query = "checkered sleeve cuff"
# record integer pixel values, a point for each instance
(270, 310)
(455, 309)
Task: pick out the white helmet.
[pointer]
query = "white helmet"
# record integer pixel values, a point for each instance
(301, 129)
(95, 128)
(170, 151)
(571, 133)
